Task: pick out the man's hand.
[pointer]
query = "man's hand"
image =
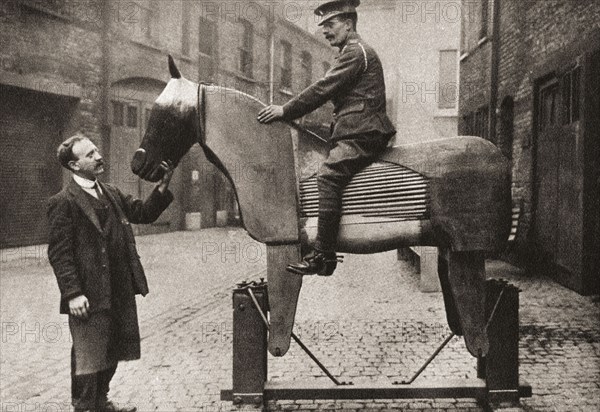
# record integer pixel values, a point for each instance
(270, 114)
(166, 179)
(79, 307)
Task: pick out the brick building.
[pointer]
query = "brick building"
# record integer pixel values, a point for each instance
(529, 82)
(96, 66)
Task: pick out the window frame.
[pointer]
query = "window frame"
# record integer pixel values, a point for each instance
(285, 63)
(245, 49)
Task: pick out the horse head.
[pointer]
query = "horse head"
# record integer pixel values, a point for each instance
(172, 129)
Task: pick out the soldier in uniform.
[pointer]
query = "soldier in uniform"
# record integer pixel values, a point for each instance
(360, 131)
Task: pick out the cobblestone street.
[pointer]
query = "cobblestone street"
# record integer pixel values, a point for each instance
(367, 322)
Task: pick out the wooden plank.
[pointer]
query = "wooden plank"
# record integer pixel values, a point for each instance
(392, 187)
(270, 216)
(466, 278)
(431, 389)
(469, 182)
(284, 289)
(447, 388)
(421, 194)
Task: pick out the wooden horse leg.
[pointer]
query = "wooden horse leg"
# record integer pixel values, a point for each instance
(462, 276)
(283, 289)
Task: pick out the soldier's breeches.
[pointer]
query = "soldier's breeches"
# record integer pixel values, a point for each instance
(346, 158)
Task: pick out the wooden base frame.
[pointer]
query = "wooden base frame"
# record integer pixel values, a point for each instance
(498, 372)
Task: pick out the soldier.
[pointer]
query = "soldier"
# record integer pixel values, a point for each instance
(360, 131)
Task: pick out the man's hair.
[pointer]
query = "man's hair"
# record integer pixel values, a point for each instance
(350, 16)
(65, 150)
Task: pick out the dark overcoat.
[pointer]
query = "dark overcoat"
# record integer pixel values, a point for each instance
(356, 86)
(77, 245)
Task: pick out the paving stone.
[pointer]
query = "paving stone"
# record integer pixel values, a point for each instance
(367, 323)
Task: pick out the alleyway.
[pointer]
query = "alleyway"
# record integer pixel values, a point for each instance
(368, 321)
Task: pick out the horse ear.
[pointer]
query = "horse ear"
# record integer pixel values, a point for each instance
(175, 74)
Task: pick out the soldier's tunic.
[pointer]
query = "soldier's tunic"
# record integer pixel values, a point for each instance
(360, 131)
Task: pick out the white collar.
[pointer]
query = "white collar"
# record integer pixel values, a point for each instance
(83, 182)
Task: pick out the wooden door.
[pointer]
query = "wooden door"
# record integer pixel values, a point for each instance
(559, 177)
(546, 168)
(31, 129)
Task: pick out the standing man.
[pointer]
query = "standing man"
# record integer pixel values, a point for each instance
(93, 254)
(360, 131)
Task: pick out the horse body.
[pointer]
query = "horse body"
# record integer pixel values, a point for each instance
(451, 193)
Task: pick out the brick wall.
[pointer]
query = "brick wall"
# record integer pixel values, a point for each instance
(536, 37)
(84, 49)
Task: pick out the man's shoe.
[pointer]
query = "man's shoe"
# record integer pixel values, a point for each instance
(110, 406)
(316, 263)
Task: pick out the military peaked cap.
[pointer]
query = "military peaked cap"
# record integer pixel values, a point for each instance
(330, 9)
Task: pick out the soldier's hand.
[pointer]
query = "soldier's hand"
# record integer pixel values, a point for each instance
(166, 179)
(79, 307)
(270, 114)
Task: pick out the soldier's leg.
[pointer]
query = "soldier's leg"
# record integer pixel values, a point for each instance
(345, 159)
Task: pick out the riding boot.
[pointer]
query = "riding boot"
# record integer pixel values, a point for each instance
(323, 259)
(316, 262)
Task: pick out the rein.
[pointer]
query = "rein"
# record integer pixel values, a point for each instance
(202, 119)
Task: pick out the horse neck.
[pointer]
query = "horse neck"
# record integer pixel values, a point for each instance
(258, 160)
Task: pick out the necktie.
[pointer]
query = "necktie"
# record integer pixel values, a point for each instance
(98, 192)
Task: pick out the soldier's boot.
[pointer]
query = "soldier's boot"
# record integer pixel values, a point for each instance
(316, 262)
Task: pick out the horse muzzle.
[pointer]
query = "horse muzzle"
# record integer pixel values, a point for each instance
(142, 167)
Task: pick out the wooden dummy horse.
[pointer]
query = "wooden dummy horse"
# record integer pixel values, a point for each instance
(452, 193)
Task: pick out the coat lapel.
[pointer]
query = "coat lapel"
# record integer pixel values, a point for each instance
(111, 197)
(82, 200)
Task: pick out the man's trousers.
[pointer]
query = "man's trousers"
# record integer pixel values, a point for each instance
(89, 391)
(346, 158)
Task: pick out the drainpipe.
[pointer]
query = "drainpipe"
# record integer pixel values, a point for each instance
(271, 57)
(494, 63)
(104, 90)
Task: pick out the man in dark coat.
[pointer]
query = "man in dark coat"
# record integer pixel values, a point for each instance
(93, 254)
(360, 131)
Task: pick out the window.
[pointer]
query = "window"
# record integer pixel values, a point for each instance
(306, 68)
(286, 65)
(476, 123)
(448, 74)
(147, 113)
(185, 27)
(548, 105)
(247, 41)
(506, 135)
(124, 114)
(571, 95)
(147, 20)
(117, 113)
(132, 116)
(485, 6)
(208, 34)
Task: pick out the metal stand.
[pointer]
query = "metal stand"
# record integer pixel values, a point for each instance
(497, 373)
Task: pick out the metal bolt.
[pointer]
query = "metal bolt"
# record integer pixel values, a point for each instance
(242, 307)
(237, 400)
